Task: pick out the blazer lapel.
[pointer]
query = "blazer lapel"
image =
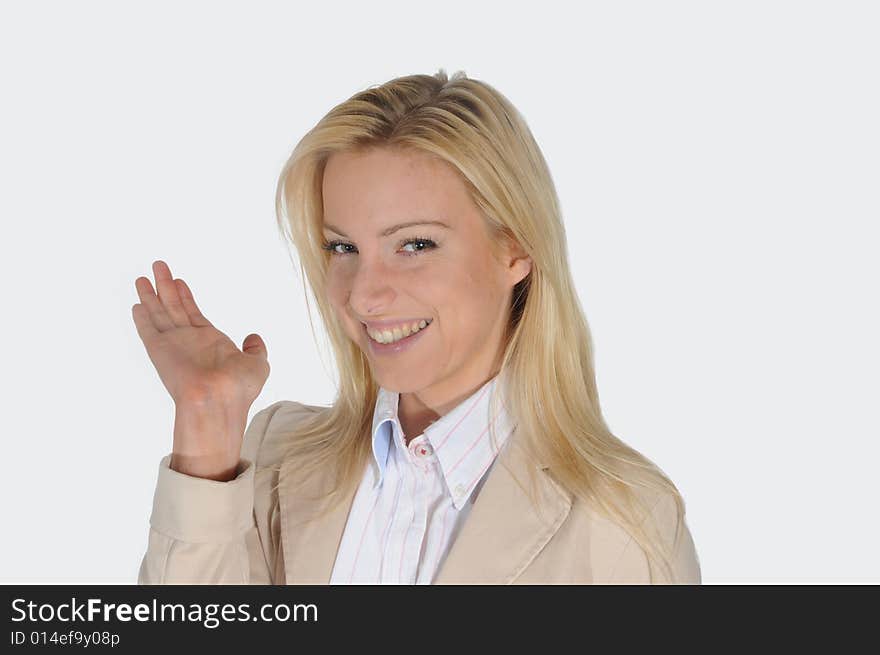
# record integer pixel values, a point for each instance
(504, 532)
(500, 537)
(310, 540)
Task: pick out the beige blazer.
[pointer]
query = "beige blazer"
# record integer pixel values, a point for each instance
(255, 530)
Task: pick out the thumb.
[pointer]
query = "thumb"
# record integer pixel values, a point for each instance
(253, 344)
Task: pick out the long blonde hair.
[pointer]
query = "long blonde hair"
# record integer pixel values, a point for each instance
(547, 378)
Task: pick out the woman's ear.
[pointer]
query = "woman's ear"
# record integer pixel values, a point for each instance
(518, 262)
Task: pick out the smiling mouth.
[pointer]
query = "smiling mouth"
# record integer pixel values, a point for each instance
(388, 336)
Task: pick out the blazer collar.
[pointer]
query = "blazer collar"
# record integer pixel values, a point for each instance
(505, 531)
(500, 537)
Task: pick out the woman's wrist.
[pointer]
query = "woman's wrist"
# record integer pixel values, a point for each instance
(207, 441)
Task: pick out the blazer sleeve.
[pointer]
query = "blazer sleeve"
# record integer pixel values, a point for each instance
(205, 531)
(633, 567)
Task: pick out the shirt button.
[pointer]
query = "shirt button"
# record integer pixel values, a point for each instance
(459, 491)
(423, 450)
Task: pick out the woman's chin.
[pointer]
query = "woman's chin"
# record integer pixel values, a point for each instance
(400, 381)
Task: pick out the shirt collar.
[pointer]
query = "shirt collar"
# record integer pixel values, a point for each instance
(462, 439)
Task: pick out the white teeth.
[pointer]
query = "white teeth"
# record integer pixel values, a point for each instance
(397, 333)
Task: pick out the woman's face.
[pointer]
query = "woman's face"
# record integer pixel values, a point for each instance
(446, 275)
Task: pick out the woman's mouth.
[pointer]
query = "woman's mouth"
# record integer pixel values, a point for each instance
(396, 340)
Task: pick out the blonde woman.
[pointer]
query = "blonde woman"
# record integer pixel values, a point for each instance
(466, 444)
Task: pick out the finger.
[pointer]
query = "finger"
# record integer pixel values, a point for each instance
(168, 294)
(189, 304)
(253, 344)
(155, 310)
(142, 323)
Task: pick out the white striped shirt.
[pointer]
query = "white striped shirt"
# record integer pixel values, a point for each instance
(413, 500)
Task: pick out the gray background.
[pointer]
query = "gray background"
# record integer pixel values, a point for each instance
(718, 169)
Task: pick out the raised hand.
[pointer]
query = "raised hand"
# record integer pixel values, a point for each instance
(207, 375)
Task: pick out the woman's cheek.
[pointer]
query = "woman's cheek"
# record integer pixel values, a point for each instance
(336, 296)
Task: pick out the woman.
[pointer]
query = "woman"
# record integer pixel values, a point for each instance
(466, 443)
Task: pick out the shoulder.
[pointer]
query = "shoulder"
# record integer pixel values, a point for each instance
(267, 433)
(665, 521)
(614, 556)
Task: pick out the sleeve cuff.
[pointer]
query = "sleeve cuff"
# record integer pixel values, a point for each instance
(199, 510)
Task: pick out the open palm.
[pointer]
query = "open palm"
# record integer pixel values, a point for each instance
(196, 362)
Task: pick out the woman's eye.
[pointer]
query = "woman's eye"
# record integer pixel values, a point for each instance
(333, 245)
(420, 245)
(426, 244)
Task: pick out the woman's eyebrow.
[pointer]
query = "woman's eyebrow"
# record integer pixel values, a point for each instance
(391, 230)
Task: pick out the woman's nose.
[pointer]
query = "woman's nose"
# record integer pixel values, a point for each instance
(371, 288)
